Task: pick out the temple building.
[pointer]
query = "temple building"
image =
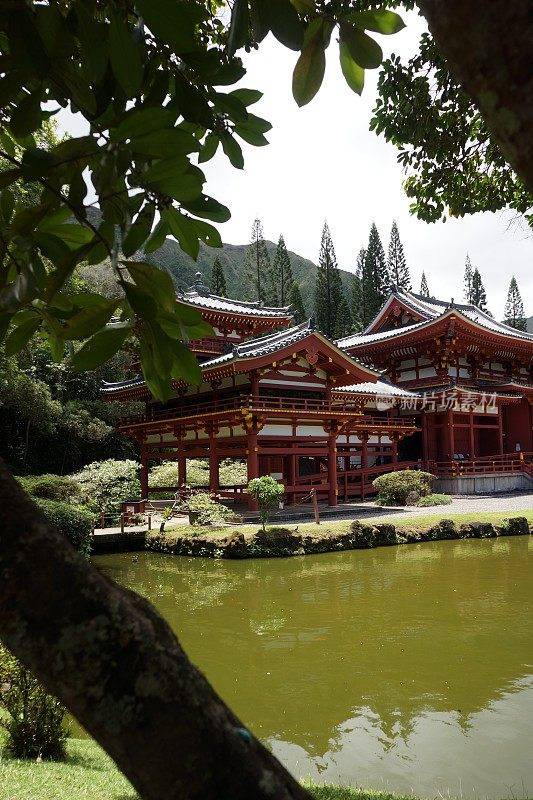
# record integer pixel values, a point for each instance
(428, 384)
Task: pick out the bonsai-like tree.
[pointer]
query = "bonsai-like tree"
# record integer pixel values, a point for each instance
(268, 492)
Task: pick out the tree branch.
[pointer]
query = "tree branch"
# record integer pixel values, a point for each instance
(117, 666)
(489, 49)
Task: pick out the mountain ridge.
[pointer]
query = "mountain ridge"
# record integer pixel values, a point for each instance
(183, 268)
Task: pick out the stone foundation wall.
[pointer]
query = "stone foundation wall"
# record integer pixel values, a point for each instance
(282, 542)
(484, 484)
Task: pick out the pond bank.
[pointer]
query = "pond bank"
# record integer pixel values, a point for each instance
(282, 542)
(89, 772)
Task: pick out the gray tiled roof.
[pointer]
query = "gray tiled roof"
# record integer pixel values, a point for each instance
(432, 309)
(264, 344)
(379, 388)
(215, 303)
(129, 384)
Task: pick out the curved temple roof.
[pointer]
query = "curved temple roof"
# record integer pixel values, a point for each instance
(429, 310)
(200, 296)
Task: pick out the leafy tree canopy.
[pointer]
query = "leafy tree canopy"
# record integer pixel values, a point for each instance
(454, 167)
(514, 308)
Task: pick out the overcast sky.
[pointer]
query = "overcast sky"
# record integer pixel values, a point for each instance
(323, 162)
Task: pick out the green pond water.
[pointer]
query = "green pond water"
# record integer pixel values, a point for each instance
(405, 668)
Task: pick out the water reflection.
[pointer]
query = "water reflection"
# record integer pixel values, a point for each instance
(409, 666)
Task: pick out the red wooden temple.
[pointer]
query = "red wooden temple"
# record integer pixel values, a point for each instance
(428, 384)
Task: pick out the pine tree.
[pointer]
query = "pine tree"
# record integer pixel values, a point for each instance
(469, 272)
(257, 282)
(358, 300)
(282, 273)
(218, 279)
(344, 323)
(296, 303)
(330, 318)
(396, 263)
(514, 308)
(478, 296)
(375, 277)
(424, 289)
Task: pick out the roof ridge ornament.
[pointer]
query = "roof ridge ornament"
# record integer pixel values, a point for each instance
(311, 323)
(199, 286)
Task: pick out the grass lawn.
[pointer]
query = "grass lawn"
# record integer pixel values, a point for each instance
(418, 521)
(89, 774)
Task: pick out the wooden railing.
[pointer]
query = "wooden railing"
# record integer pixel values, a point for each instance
(265, 404)
(209, 345)
(486, 465)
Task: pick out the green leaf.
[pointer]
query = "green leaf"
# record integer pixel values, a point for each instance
(233, 151)
(27, 219)
(285, 23)
(309, 70)
(304, 6)
(157, 238)
(176, 178)
(167, 142)
(21, 335)
(208, 233)
(364, 50)
(209, 147)
(93, 45)
(125, 56)
(208, 208)
(9, 176)
(380, 20)
(100, 348)
(69, 233)
(175, 22)
(185, 364)
(79, 148)
(153, 281)
(27, 116)
(260, 19)
(239, 25)
(183, 229)
(89, 320)
(353, 73)
(7, 205)
(139, 122)
(142, 303)
(139, 231)
(251, 136)
(247, 96)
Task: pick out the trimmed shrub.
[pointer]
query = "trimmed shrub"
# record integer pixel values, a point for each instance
(412, 499)
(434, 500)
(208, 510)
(268, 493)
(51, 487)
(395, 487)
(34, 720)
(74, 522)
(231, 473)
(106, 484)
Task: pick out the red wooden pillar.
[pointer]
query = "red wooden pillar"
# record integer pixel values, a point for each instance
(252, 463)
(144, 475)
(254, 385)
(332, 466)
(500, 430)
(182, 465)
(394, 441)
(425, 449)
(214, 484)
(364, 461)
(451, 437)
(472, 437)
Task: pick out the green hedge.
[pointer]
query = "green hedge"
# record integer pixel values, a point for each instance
(50, 487)
(74, 522)
(395, 487)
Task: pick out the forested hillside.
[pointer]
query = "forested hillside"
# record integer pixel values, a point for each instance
(182, 267)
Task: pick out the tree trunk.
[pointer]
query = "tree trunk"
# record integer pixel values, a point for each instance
(117, 666)
(489, 48)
